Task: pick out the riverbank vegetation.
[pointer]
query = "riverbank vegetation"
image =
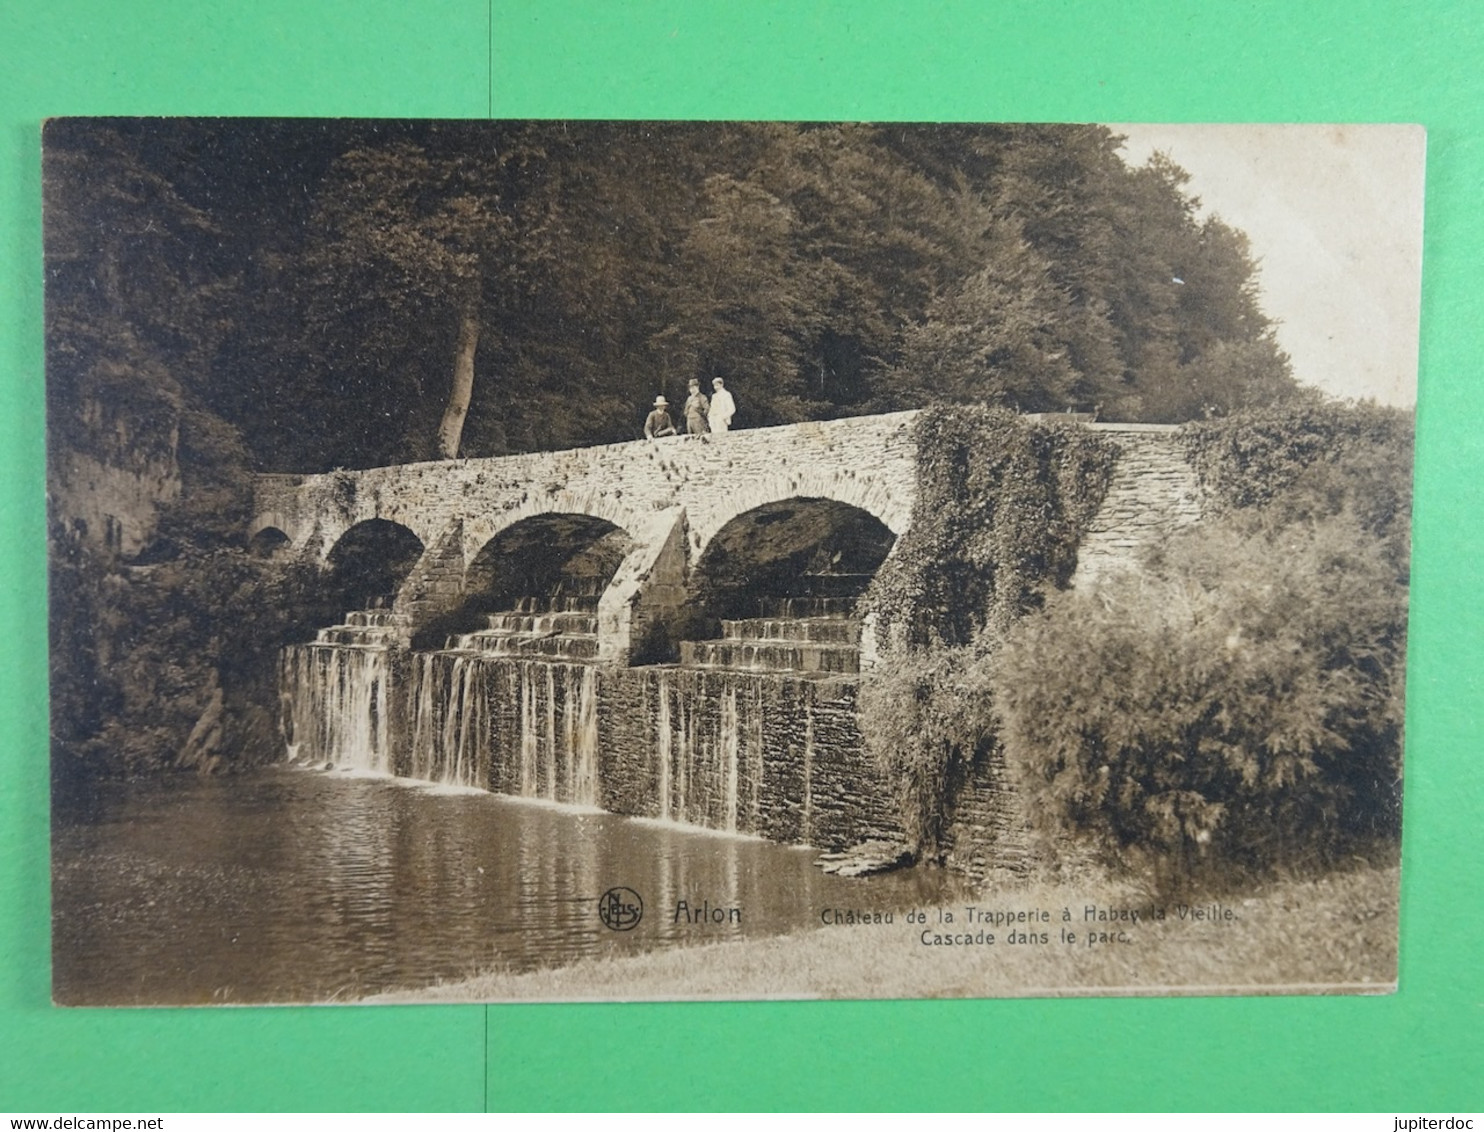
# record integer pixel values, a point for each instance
(172, 664)
(1237, 705)
(1230, 710)
(1002, 503)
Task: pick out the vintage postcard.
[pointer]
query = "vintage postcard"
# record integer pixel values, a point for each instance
(545, 560)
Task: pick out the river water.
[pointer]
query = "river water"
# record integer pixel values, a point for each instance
(293, 885)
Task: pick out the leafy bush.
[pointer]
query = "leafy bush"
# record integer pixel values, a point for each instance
(1308, 460)
(926, 716)
(141, 653)
(1240, 701)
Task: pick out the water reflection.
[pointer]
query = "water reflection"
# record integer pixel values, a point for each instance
(293, 885)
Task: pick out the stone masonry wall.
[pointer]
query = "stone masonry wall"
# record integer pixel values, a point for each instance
(986, 835)
(669, 737)
(436, 583)
(1154, 490)
(645, 595)
(113, 506)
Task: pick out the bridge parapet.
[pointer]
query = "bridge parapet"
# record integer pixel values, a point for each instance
(670, 496)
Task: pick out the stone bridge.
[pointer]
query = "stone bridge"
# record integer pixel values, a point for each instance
(671, 497)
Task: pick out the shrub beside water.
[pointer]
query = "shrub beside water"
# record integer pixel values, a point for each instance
(1233, 707)
(927, 716)
(141, 654)
(1238, 703)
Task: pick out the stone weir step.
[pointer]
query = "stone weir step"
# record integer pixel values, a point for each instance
(560, 646)
(358, 635)
(581, 585)
(785, 657)
(375, 618)
(562, 603)
(544, 624)
(834, 585)
(364, 628)
(818, 630)
(794, 608)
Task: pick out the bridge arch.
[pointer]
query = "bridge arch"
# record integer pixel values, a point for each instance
(369, 561)
(544, 561)
(855, 488)
(273, 521)
(603, 507)
(535, 555)
(268, 541)
(799, 556)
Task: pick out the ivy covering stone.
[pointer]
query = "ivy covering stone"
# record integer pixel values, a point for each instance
(1002, 503)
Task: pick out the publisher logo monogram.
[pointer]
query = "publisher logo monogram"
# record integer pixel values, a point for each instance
(620, 909)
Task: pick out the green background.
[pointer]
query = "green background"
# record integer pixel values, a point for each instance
(1047, 60)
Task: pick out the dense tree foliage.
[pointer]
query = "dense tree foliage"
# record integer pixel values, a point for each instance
(173, 664)
(339, 292)
(137, 303)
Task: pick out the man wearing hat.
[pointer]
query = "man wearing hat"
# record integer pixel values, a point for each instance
(696, 407)
(658, 423)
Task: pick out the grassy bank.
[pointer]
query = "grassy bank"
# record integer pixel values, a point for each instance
(1338, 933)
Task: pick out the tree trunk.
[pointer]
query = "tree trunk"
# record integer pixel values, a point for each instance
(452, 427)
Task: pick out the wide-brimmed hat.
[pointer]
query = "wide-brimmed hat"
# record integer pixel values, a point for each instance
(660, 403)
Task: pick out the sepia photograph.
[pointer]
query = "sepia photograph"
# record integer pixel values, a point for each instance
(593, 560)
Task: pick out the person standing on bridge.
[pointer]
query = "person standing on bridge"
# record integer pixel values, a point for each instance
(723, 408)
(696, 408)
(658, 423)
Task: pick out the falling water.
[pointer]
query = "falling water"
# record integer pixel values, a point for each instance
(729, 742)
(585, 739)
(530, 745)
(522, 727)
(664, 747)
(549, 764)
(807, 831)
(513, 708)
(450, 705)
(709, 737)
(336, 695)
(754, 733)
(737, 730)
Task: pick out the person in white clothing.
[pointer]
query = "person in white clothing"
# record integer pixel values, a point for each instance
(723, 408)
